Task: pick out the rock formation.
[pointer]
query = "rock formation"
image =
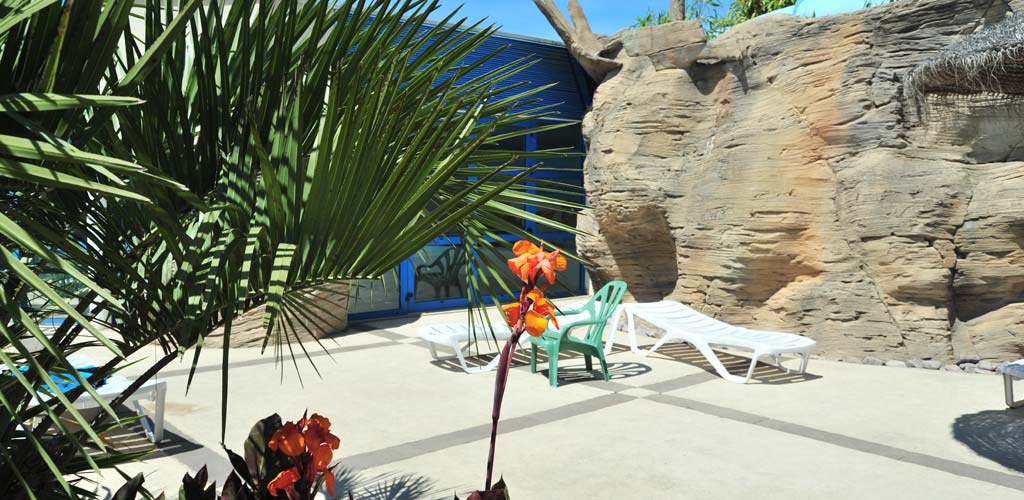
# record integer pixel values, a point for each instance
(856, 178)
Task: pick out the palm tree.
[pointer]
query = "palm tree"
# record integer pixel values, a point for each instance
(219, 159)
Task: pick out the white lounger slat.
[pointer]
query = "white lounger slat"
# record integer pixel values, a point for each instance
(682, 323)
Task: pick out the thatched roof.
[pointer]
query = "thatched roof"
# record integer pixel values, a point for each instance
(991, 60)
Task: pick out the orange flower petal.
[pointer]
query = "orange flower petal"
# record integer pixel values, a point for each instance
(285, 480)
(511, 314)
(329, 480)
(322, 421)
(522, 247)
(321, 457)
(536, 324)
(288, 440)
(560, 263)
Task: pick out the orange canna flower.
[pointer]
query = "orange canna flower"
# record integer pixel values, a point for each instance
(536, 323)
(288, 440)
(321, 457)
(318, 432)
(524, 263)
(531, 260)
(511, 314)
(548, 263)
(284, 481)
(543, 306)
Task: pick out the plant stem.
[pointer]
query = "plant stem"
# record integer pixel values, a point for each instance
(499, 393)
(504, 362)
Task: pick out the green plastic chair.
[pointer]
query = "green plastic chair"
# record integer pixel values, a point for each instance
(600, 307)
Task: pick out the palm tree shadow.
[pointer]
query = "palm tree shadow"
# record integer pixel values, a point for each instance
(389, 486)
(997, 435)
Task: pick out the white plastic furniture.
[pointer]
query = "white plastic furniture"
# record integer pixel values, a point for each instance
(1013, 371)
(454, 335)
(114, 385)
(682, 323)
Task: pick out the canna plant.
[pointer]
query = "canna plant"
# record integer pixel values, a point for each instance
(287, 461)
(530, 315)
(165, 175)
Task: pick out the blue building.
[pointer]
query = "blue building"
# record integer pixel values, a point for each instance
(434, 279)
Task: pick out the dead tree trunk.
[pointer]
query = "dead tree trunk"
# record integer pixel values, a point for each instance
(582, 43)
(677, 10)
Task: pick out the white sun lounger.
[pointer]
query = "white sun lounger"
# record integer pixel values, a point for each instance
(1011, 372)
(453, 335)
(114, 385)
(682, 323)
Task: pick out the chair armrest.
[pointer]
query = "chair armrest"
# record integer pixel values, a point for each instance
(427, 266)
(567, 312)
(580, 309)
(564, 329)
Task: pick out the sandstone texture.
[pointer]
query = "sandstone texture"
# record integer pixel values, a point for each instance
(786, 176)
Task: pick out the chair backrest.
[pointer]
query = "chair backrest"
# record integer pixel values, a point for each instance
(452, 261)
(601, 307)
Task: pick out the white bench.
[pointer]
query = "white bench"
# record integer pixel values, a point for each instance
(1013, 371)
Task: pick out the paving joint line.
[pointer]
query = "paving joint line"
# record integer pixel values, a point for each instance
(954, 467)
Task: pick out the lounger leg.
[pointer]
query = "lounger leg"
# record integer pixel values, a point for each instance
(458, 354)
(160, 397)
(616, 317)
(803, 362)
(657, 345)
(1008, 386)
(533, 358)
(631, 329)
(433, 350)
(604, 368)
(588, 362)
(553, 368)
(716, 363)
(753, 365)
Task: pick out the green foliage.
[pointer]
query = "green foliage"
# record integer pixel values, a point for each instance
(158, 183)
(742, 11)
(707, 12)
(57, 61)
(652, 18)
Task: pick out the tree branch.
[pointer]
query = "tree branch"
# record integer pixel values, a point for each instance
(582, 43)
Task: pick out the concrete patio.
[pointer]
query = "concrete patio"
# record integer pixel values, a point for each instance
(664, 427)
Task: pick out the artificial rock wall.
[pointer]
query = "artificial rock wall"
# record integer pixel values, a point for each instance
(785, 176)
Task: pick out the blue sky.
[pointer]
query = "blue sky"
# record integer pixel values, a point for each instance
(522, 17)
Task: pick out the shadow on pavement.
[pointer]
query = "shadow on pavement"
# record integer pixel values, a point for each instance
(616, 371)
(737, 365)
(997, 435)
(390, 486)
